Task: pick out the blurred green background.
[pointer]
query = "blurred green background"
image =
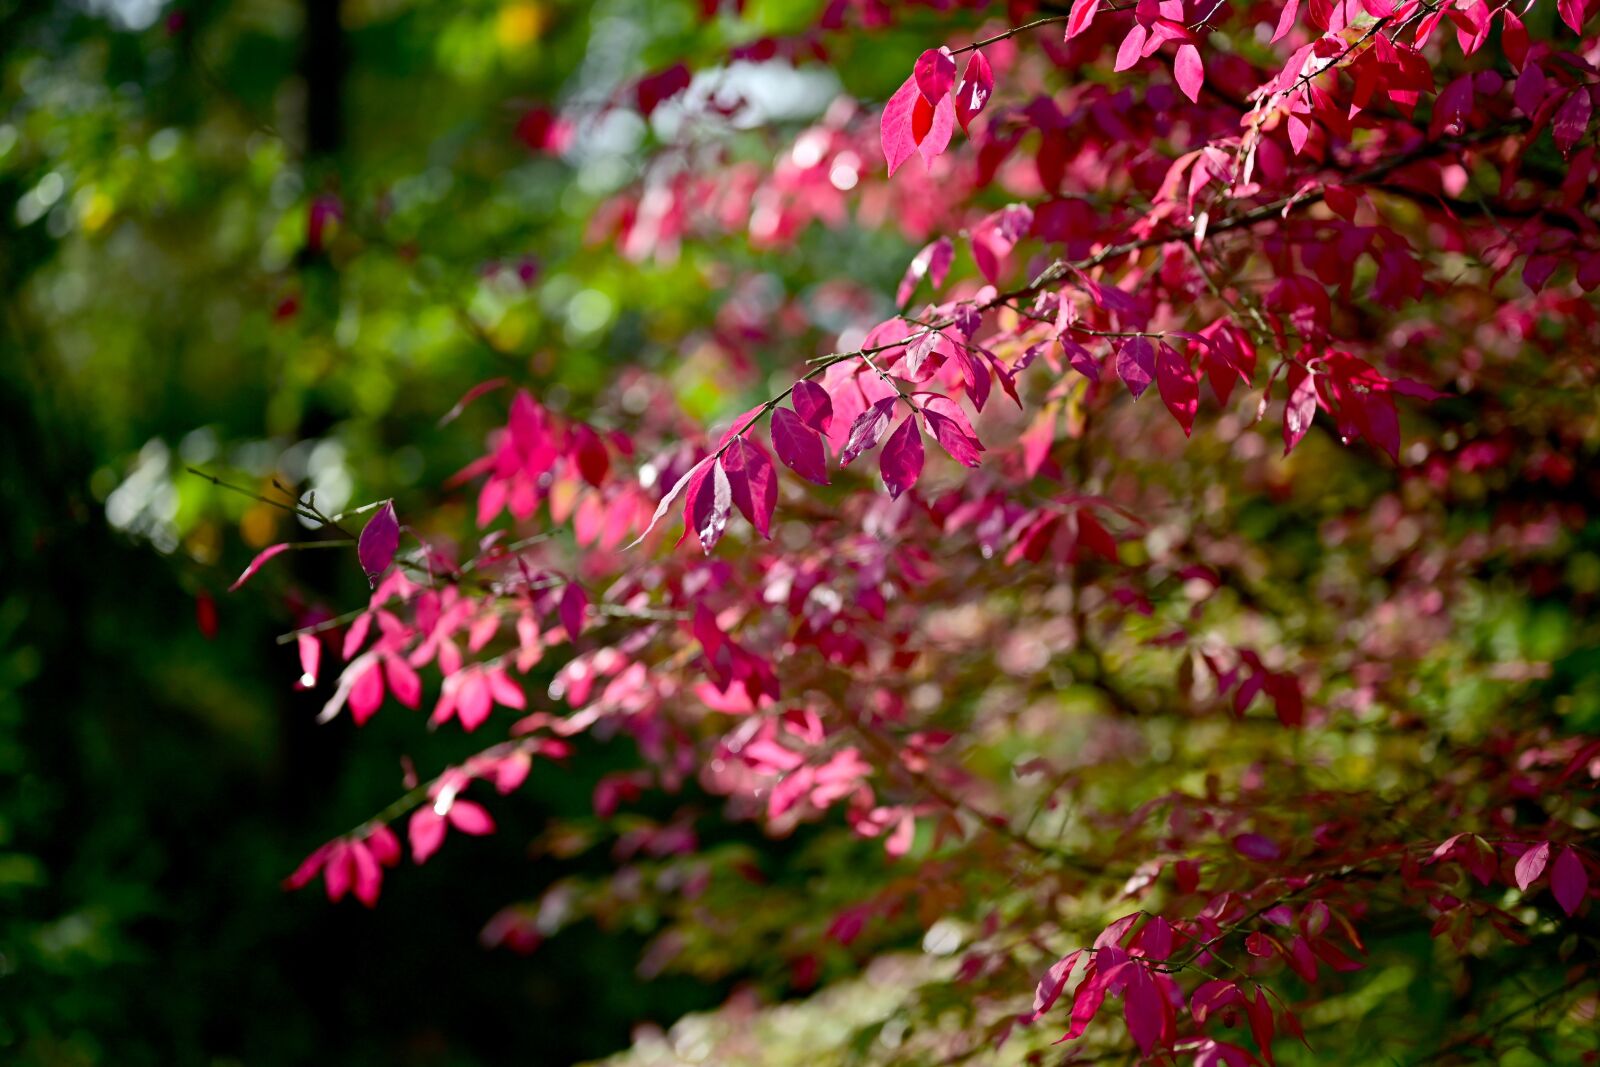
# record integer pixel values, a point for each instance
(271, 236)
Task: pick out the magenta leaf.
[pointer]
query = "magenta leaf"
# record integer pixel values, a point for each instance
(901, 459)
(261, 558)
(574, 606)
(753, 482)
(1572, 120)
(799, 446)
(935, 71)
(378, 541)
(709, 505)
(1136, 364)
(1257, 847)
(1568, 880)
(866, 430)
(813, 404)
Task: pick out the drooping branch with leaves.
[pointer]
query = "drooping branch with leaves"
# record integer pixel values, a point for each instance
(1203, 704)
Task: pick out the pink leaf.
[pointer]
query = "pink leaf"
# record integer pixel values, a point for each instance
(1190, 71)
(672, 494)
(799, 446)
(470, 818)
(977, 85)
(403, 681)
(1568, 880)
(933, 262)
(1132, 47)
(426, 831)
(1299, 408)
(378, 542)
(1179, 386)
(1053, 982)
(256, 564)
(469, 396)
(1286, 20)
(866, 430)
(1532, 865)
(901, 459)
(1081, 16)
(310, 659)
(368, 876)
(895, 129)
(935, 72)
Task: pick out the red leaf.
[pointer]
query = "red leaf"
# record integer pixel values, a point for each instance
(867, 429)
(1261, 1024)
(1568, 880)
(799, 446)
(256, 564)
(935, 72)
(378, 541)
(972, 95)
(1190, 71)
(901, 460)
(1179, 386)
(934, 125)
